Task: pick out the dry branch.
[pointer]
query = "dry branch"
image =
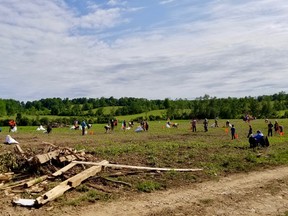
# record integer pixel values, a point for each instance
(117, 181)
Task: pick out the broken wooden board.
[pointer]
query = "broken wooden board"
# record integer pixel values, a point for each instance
(53, 193)
(67, 158)
(43, 158)
(35, 181)
(64, 169)
(18, 149)
(6, 176)
(69, 183)
(137, 167)
(77, 179)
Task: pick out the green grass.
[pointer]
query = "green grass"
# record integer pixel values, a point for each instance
(148, 186)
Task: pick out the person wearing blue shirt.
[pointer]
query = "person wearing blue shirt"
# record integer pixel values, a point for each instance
(258, 136)
(83, 125)
(233, 131)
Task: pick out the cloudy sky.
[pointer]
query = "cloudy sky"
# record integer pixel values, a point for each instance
(152, 49)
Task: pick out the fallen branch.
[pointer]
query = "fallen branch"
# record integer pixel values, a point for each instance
(99, 187)
(118, 182)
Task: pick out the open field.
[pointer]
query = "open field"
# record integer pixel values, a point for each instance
(214, 151)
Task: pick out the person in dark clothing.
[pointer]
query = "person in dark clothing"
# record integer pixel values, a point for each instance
(250, 132)
(83, 125)
(258, 140)
(194, 122)
(270, 128)
(112, 124)
(205, 125)
(233, 131)
(49, 129)
(276, 126)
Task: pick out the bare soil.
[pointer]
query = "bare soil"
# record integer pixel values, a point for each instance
(255, 193)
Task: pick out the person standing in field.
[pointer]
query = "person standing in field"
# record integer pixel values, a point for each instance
(233, 131)
(250, 132)
(49, 128)
(83, 125)
(216, 122)
(270, 128)
(205, 124)
(276, 126)
(124, 125)
(194, 122)
(112, 124)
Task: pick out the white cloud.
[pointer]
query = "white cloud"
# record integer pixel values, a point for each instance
(223, 49)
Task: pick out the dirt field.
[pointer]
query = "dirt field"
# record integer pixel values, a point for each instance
(256, 193)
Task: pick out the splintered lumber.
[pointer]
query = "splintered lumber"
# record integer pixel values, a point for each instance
(136, 167)
(35, 181)
(67, 158)
(43, 158)
(18, 149)
(77, 179)
(69, 183)
(64, 169)
(53, 193)
(6, 176)
(51, 144)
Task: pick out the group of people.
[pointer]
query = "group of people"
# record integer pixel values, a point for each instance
(277, 128)
(254, 139)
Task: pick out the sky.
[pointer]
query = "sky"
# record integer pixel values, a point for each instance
(153, 49)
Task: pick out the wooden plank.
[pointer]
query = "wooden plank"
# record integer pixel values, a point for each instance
(55, 192)
(74, 181)
(35, 181)
(136, 167)
(43, 158)
(6, 176)
(77, 179)
(18, 149)
(64, 169)
(68, 158)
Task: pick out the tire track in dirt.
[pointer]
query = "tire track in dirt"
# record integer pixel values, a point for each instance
(255, 193)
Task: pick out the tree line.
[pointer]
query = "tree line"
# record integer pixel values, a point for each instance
(266, 106)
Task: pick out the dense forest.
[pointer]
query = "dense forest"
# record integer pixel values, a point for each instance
(266, 106)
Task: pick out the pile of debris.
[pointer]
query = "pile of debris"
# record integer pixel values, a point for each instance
(51, 163)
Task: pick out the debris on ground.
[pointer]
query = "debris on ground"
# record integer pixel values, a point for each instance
(32, 171)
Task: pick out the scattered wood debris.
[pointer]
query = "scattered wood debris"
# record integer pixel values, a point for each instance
(54, 161)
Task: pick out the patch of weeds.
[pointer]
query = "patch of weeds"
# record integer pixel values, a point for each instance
(8, 162)
(206, 201)
(73, 202)
(148, 186)
(212, 169)
(90, 196)
(251, 158)
(93, 195)
(82, 188)
(151, 160)
(284, 214)
(80, 147)
(172, 174)
(280, 157)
